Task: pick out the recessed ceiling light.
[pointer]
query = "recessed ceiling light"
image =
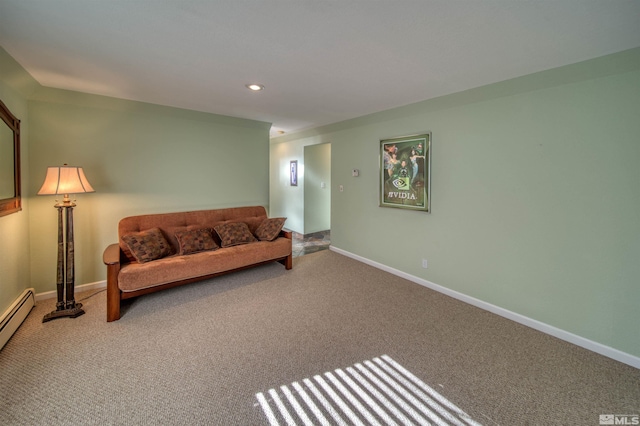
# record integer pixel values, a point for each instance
(255, 87)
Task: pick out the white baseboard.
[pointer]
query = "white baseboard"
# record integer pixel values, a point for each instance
(84, 287)
(15, 315)
(521, 319)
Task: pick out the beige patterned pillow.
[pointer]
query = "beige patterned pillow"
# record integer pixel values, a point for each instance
(269, 229)
(235, 233)
(195, 240)
(147, 245)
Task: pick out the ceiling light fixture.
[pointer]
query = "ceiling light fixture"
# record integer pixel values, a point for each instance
(255, 87)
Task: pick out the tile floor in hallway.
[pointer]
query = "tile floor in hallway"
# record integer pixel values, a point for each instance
(310, 243)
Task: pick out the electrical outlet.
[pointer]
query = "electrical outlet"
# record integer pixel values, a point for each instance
(424, 263)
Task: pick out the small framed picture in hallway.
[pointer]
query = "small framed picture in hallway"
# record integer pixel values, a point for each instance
(405, 172)
(293, 169)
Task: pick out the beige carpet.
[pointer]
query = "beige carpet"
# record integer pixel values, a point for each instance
(201, 353)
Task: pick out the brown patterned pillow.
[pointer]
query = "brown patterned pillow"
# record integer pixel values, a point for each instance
(195, 240)
(269, 229)
(147, 245)
(235, 233)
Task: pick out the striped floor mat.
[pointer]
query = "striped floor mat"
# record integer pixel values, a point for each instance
(375, 392)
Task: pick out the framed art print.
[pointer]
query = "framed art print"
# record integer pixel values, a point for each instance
(405, 172)
(293, 169)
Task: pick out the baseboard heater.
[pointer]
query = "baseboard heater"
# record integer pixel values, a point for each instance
(15, 315)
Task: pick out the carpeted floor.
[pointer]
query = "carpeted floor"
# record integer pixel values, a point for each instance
(200, 354)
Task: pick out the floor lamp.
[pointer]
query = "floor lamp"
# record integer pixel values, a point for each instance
(65, 180)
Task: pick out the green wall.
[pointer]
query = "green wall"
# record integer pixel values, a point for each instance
(317, 198)
(535, 196)
(140, 158)
(15, 87)
(306, 206)
(286, 200)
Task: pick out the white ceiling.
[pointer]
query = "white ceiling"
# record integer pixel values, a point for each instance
(320, 61)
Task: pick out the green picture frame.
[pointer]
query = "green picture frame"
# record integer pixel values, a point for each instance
(405, 172)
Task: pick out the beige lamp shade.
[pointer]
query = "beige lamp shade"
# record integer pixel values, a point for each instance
(65, 180)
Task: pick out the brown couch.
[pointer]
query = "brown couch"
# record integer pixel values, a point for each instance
(127, 277)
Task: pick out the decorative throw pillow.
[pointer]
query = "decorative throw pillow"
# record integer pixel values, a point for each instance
(269, 229)
(235, 233)
(147, 245)
(195, 240)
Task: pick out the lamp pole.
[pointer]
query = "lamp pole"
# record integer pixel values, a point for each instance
(66, 305)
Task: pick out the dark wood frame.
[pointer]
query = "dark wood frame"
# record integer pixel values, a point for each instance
(14, 204)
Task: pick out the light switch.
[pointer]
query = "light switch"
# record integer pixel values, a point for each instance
(355, 172)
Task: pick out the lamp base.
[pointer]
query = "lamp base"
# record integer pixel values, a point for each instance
(74, 312)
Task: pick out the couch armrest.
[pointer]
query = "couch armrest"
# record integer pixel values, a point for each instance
(111, 255)
(286, 233)
(288, 261)
(111, 258)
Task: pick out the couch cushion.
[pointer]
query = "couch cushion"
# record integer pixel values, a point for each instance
(137, 276)
(270, 228)
(170, 223)
(195, 240)
(147, 245)
(234, 233)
